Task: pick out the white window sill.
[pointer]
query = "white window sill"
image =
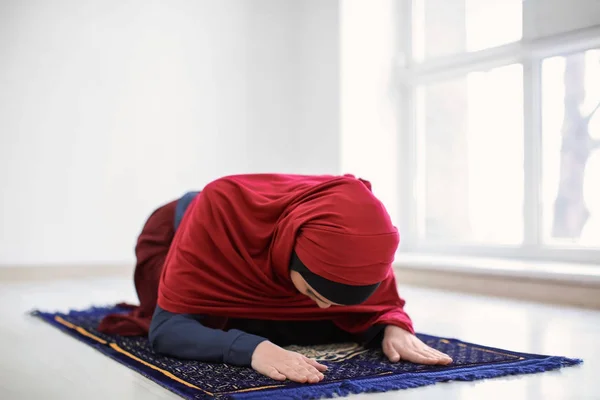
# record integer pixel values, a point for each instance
(587, 274)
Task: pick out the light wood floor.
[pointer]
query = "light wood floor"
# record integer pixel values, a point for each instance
(40, 362)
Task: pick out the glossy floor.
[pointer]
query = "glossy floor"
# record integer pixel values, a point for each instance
(39, 362)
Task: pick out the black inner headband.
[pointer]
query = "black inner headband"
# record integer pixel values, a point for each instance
(335, 292)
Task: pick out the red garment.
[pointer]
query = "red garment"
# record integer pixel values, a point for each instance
(230, 255)
(150, 251)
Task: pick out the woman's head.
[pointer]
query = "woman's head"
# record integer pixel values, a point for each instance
(348, 237)
(325, 292)
(304, 288)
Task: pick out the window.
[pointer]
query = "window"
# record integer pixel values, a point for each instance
(501, 128)
(475, 25)
(571, 149)
(472, 132)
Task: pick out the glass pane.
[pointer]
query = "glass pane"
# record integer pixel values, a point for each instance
(445, 27)
(571, 149)
(553, 17)
(471, 170)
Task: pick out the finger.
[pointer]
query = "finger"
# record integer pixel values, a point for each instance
(272, 373)
(423, 349)
(293, 374)
(314, 363)
(437, 357)
(426, 352)
(436, 351)
(390, 352)
(314, 379)
(312, 374)
(441, 357)
(320, 375)
(433, 349)
(310, 377)
(430, 351)
(419, 358)
(301, 373)
(446, 359)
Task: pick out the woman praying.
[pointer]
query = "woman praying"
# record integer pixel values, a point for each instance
(253, 263)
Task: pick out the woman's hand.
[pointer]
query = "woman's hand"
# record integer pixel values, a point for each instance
(277, 363)
(399, 344)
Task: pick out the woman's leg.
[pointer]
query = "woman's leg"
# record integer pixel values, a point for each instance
(151, 250)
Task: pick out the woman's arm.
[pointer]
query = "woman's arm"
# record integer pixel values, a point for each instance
(183, 336)
(372, 337)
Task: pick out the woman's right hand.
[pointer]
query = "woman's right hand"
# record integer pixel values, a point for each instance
(280, 364)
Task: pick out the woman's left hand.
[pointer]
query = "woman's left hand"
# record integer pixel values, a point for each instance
(399, 344)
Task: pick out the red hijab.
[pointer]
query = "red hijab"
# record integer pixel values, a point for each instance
(230, 256)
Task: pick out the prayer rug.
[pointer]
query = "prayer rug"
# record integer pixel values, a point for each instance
(352, 369)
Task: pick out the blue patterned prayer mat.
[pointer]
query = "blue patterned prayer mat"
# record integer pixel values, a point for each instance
(352, 369)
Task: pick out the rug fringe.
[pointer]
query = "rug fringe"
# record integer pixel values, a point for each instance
(408, 381)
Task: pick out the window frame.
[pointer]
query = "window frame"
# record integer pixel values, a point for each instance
(530, 53)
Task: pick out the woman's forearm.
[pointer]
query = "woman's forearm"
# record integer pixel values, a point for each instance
(183, 336)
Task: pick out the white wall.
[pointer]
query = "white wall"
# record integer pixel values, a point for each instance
(297, 115)
(369, 98)
(109, 108)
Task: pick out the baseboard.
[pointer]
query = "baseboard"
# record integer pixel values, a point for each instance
(565, 293)
(51, 272)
